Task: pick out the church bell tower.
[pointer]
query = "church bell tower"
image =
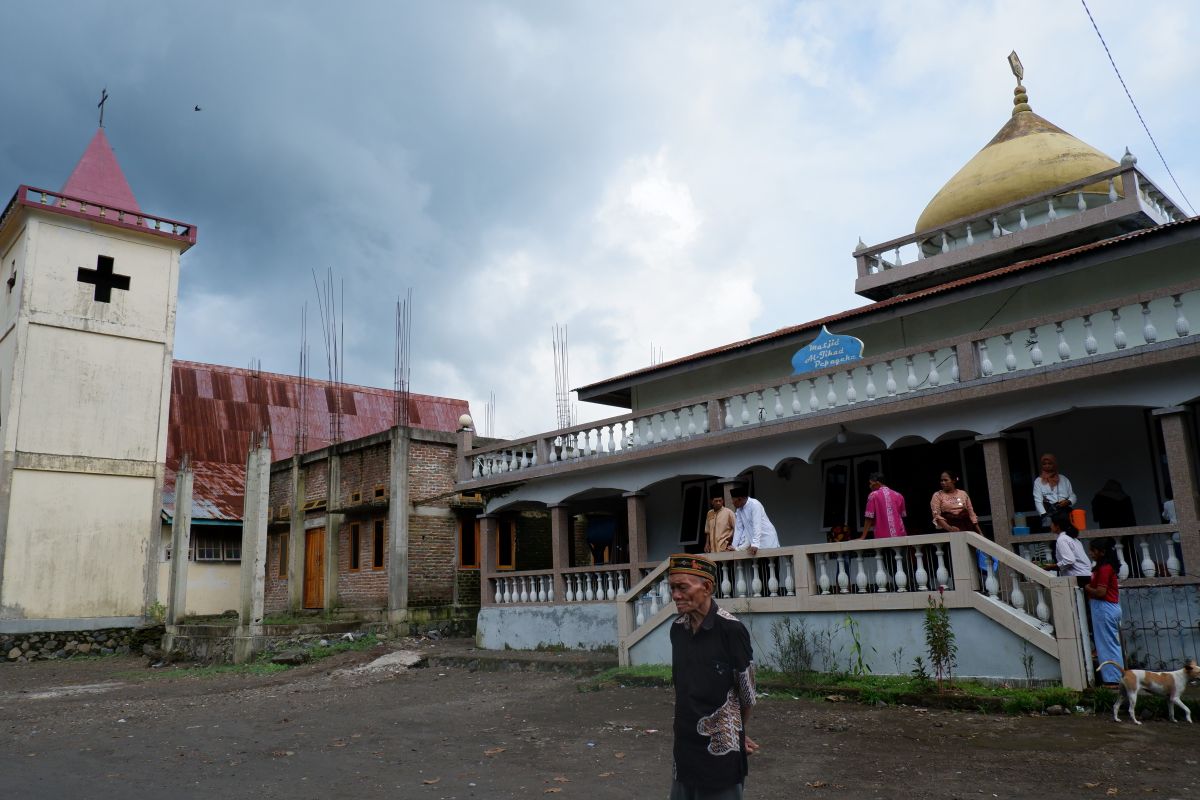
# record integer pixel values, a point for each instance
(87, 325)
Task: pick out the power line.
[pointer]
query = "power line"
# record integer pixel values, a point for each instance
(1136, 110)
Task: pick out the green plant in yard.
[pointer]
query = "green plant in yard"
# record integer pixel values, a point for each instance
(898, 660)
(920, 674)
(1027, 662)
(157, 612)
(793, 646)
(939, 641)
(858, 664)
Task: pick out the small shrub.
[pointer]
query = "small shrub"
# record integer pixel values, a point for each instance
(793, 646)
(939, 640)
(920, 674)
(858, 664)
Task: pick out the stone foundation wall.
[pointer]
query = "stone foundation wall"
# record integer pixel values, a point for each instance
(20, 647)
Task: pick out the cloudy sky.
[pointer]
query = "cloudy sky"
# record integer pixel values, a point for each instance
(671, 175)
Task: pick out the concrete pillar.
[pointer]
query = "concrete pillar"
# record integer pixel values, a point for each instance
(333, 526)
(560, 544)
(181, 538)
(466, 440)
(1181, 463)
(635, 506)
(295, 534)
(255, 515)
(398, 508)
(995, 460)
(489, 530)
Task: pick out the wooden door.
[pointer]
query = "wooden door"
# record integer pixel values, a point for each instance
(314, 568)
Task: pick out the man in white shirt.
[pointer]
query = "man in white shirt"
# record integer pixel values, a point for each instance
(1051, 490)
(752, 530)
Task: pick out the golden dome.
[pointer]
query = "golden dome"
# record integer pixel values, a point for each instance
(1027, 157)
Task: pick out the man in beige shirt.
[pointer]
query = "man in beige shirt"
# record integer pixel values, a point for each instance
(718, 527)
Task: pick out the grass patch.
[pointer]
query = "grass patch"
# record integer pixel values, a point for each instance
(900, 689)
(333, 648)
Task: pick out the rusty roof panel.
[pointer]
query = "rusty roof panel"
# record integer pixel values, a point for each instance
(215, 410)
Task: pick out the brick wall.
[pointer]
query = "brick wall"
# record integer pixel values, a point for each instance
(275, 598)
(432, 560)
(366, 587)
(431, 472)
(364, 470)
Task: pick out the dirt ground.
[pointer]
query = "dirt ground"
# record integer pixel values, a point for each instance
(112, 728)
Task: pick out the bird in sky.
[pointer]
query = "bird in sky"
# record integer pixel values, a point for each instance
(198, 108)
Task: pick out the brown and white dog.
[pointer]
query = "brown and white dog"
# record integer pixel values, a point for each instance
(1168, 684)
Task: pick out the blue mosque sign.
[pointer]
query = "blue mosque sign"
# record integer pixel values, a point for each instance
(827, 350)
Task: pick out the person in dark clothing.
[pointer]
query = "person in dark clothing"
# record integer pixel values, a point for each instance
(712, 667)
(1112, 508)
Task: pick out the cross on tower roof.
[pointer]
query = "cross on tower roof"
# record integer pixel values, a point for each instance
(103, 278)
(100, 105)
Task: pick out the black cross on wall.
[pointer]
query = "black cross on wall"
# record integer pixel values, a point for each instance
(104, 279)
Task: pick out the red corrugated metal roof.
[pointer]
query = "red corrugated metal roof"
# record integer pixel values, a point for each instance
(815, 325)
(215, 410)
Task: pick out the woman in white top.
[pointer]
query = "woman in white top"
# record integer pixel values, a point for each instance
(1051, 491)
(1070, 559)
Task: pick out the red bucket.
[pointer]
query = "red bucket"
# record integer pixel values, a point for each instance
(1079, 518)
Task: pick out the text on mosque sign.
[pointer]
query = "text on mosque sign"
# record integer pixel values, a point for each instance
(827, 350)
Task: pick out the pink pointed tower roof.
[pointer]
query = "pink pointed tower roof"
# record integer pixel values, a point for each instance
(98, 177)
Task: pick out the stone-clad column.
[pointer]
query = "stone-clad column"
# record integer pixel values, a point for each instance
(489, 529)
(181, 538)
(635, 506)
(1181, 463)
(560, 545)
(255, 514)
(995, 460)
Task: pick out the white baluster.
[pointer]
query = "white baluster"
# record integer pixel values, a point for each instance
(1174, 568)
(943, 576)
(539, 591)
(664, 590)
(653, 594)
(726, 585)
(533, 459)
(611, 594)
(1149, 332)
(851, 392)
(1112, 191)
(729, 413)
(1182, 328)
(896, 255)
(756, 586)
(588, 593)
(881, 576)
(970, 236)
(1017, 598)
(995, 228)
(1010, 358)
(871, 382)
(772, 580)
(796, 398)
(990, 583)
(475, 468)
(1050, 211)
(1035, 351)
(789, 582)
(823, 578)
(510, 593)
(934, 377)
(1148, 569)
(890, 383)
(843, 580)
(1119, 340)
(515, 464)
(746, 407)
(1043, 611)
(678, 428)
(813, 402)
(1024, 223)
(1089, 340)
(691, 430)
(1081, 204)
(552, 456)
(831, 393)
(900, 576)
(860, 574)
(778, 402)
(499, 596)
(954, 365)
(985, 363)
(911, 382)
(740, 586)
(1123, 570)
(663, 434)
(945, 243)
(700, 412)
(921, 575)
(1064, 349)
(523, 590)
(611, 430)
(641, 612)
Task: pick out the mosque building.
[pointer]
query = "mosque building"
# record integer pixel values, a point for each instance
(1047, 301)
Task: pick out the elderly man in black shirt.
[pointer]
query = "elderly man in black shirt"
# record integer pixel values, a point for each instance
(712, 667)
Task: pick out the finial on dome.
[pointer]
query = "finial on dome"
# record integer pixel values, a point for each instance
(861, 245)
(1020, 98)
(1129, 159)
